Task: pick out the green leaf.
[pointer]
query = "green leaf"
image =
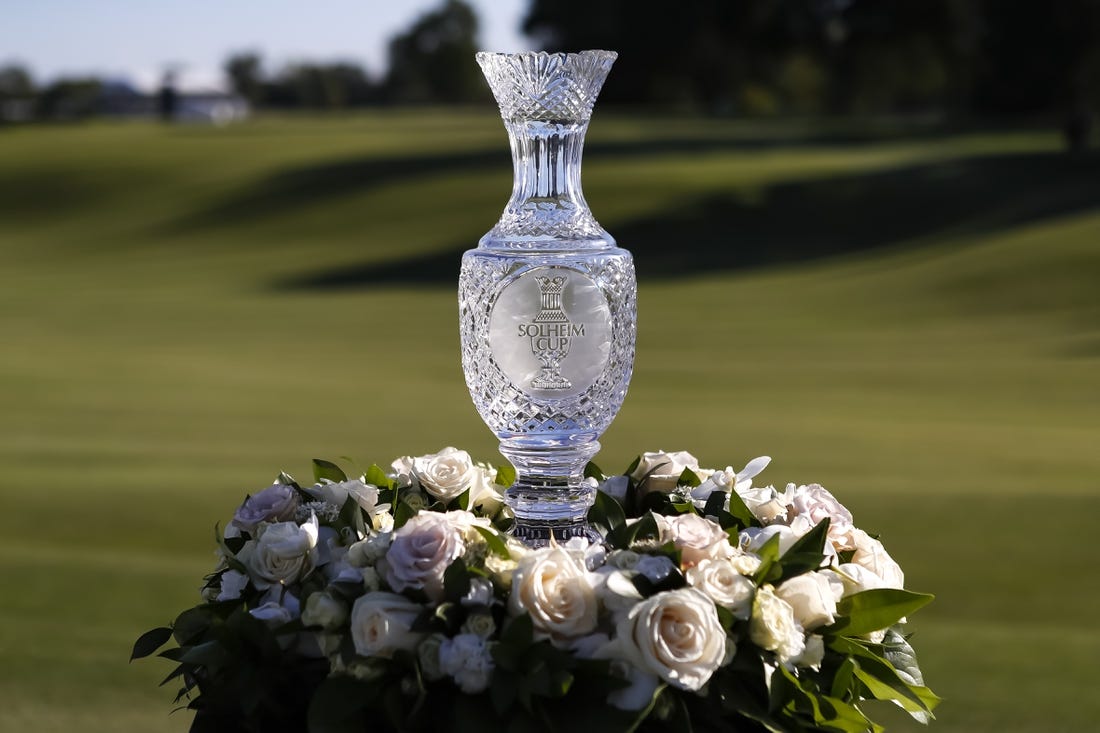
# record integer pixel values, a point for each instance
(286, 479)
(456, 581)
(740, 511)
(376, 476)
(461, 502)
(402, 513)
(898, 652)
(883, 683)
(769, 556)
(506, 475)
(351, 514)
(633, 466)
(842, 679)
(688, 478)
(606, 513)
(150, 641)
(872, 610)
(323, 469)
(206, 654)
(497, 545)
(591, 470)
(812, 542)
(806, 554)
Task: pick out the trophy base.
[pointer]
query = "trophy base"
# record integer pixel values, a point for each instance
(551, 497)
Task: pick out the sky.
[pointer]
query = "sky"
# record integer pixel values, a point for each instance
(139, 39)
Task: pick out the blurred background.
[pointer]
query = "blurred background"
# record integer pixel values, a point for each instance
(868, 241)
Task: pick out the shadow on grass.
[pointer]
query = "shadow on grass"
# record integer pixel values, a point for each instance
(806, 220)
(304, 186)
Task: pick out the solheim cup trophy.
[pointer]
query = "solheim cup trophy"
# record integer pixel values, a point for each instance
(547, 301)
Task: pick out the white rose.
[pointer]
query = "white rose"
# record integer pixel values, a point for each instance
(660, 471)
(233, 584)
(856, 578)
(767, 504)
(284, 553)
(446, 474)
(872, 555)
(276, 503)
(381, 623)
(813, 655)
(421, 552)
(812, 596)
(697, 538)
(721, 582)
(485, 494)
(325, 611)
(365, 495)
(273, 614)
(815, 503)
(402, 472)
(468, 660)
(774, 627)
(675, 635)
(554, 587)
(480, 593)
(369, 551)
(754, 538)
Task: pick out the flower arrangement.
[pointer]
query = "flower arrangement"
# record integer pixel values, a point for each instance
(396, 601)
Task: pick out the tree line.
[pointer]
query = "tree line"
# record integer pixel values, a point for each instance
(745, 57)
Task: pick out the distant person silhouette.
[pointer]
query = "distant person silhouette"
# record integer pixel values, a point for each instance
(168, 98)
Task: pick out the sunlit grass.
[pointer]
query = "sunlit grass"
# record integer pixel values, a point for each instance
(157, 364)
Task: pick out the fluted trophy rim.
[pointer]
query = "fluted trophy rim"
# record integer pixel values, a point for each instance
(593, 52)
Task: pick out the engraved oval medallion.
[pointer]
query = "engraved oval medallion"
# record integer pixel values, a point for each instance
(550, 332)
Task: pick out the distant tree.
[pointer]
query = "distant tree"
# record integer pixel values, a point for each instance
(69, 99)
(245, 72)
(16, 82)
(433, 60)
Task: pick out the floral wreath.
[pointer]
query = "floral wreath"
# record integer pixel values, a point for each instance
(375, 602)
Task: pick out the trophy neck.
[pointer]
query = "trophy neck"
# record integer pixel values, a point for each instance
(546, 101)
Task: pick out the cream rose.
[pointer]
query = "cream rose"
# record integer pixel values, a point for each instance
(485, 494)
(421, 552)
(446, 474)
(283, 554)
(871, 555)
(675, 635)
(773, 625)
(812, 597)
(814, 502)
(767, 504)
(554, 587)
(381, 623)
(660, 471)
(697, 538)
(325, 611)
(721, 582)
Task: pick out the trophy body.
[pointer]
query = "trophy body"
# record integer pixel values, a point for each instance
(547, 301)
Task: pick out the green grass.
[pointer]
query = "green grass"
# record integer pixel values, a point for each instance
(913, 321)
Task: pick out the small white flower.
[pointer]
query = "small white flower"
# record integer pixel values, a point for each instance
(813, 655)
(428, 654)
(467, 659)
(325, 611)
(479, 624)
(773, 625)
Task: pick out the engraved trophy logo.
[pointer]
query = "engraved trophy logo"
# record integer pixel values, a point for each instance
(551, 334)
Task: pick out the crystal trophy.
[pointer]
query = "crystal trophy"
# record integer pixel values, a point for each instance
(547, 300)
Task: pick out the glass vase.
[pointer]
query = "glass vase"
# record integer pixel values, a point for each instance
(547, 301)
